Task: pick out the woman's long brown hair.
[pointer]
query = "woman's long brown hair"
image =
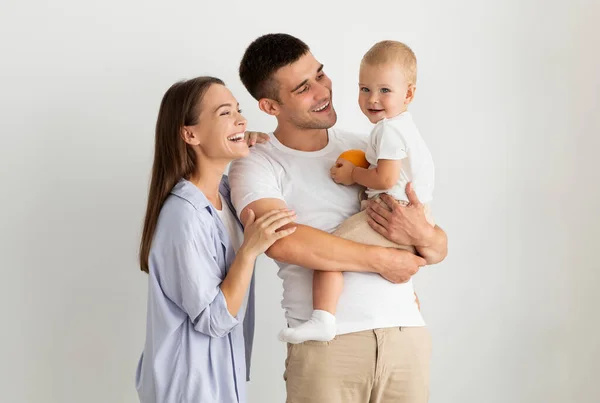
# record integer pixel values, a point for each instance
(174, 159)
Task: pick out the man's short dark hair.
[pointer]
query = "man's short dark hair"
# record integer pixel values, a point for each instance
(264, 57)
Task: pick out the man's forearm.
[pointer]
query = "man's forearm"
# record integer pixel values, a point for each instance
(434, 247)
(315, 249)
(318, 250)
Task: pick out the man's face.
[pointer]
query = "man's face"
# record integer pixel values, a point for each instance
(305, 94)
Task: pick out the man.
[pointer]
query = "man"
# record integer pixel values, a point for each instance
(382, 348)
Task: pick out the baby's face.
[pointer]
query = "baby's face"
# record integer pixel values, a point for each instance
(383, 91)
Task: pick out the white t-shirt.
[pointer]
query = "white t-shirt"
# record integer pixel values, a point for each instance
(236, 235)
(303, 181)
(399, 139)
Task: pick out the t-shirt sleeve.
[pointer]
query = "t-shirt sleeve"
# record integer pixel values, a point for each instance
(389, 142)
(253, 178)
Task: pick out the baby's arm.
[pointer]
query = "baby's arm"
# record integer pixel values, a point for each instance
(384, 176)
(389, 149)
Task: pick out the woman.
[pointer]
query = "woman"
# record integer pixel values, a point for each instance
(199, 289)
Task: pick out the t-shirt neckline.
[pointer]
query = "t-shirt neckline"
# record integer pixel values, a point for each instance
(309, 154)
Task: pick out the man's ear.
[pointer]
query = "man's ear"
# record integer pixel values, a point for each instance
(269, 106)
(189, 136)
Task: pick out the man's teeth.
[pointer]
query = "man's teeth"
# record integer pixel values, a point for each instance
(321, 108)
(236, 137)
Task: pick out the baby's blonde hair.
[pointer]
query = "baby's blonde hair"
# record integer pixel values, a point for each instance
(393, 52)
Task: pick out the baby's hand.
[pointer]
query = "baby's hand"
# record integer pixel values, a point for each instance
(341, 172)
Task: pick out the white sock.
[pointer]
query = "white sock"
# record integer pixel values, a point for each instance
(320, 327)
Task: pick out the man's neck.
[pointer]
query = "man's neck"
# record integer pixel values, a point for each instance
(301, 139)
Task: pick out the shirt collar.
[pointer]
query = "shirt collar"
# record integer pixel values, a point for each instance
(190, 192)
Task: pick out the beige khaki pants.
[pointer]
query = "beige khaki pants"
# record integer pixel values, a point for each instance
(375, 366)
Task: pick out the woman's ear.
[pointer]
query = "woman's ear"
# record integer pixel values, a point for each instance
(269, 106)
(188, 135)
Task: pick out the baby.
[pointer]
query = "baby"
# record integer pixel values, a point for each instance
(397, 155)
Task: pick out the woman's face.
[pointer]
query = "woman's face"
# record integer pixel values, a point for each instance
(220, 130)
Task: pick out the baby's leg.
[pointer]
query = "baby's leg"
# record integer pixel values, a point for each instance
(327, 288)
(357, 229)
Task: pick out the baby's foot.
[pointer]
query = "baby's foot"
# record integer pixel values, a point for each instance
(320, 327)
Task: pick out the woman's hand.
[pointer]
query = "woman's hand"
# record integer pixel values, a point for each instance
(260, 234)
(256, 137)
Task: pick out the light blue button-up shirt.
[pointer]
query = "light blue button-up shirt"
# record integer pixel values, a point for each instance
(195, 351)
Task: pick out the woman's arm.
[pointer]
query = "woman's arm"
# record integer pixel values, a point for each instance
(190, 276)
(258, 237)
(236, 282)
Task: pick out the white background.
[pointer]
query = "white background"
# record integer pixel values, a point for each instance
(508, 100)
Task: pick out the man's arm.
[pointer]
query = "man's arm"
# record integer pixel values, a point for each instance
(318, 250)
(434, 248)
(407, 225)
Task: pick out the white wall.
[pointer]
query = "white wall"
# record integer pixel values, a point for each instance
(508, 101)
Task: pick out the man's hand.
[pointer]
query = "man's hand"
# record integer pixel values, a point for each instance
(398, 266)
(256, 137)
(404, 225)
(341, 172)
(407, 225)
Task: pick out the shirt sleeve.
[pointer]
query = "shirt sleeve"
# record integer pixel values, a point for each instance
(192, 280)
(389, 142)
(253, 178)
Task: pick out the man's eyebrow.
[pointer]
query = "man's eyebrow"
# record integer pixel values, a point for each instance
(320, 69)
(299, 86)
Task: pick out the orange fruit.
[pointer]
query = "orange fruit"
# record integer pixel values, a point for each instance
(357, 157)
